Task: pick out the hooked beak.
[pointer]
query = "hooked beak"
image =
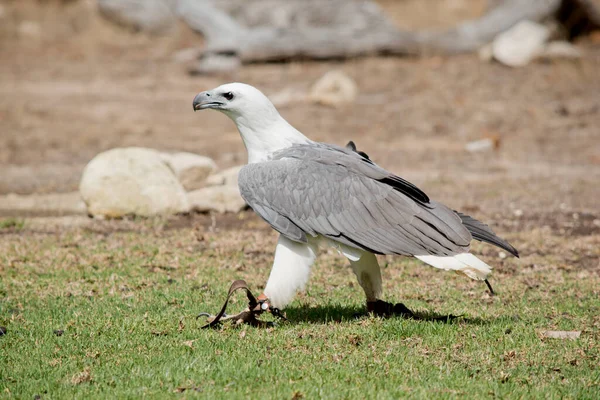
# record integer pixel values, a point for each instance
(205, 100)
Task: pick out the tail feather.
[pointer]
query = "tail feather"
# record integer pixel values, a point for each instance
(483, 233)
(464, 263)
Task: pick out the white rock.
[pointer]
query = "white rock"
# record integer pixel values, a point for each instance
(191, 169)
(333, 89)
(225, 177)
(131, 180)
(222, 199)
(561, 49)
(35, 204)
(480, 145)
(520, 44)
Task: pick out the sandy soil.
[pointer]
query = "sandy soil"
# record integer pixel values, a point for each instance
(80, 86)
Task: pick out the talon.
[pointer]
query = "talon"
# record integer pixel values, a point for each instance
(247, 316)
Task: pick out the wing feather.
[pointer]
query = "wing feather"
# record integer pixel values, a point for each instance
(318, 189)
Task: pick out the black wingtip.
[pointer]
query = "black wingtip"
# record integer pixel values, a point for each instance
(483, 233)
(508, 247)
(501, 243)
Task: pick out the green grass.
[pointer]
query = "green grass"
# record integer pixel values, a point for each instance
(126, 303)
(12, 223)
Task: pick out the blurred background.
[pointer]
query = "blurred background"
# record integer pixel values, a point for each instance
(121, 220)
(490, 106)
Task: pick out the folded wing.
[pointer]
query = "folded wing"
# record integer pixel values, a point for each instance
(318, 189)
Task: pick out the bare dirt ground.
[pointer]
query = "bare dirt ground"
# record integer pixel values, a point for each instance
(79, 86)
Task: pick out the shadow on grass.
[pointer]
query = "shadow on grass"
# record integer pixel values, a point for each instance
(339, 313)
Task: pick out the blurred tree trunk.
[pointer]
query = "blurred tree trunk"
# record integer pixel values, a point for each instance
(341, 28)
(265, 30)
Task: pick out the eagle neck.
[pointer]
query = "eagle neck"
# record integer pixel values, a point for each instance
(262, 137)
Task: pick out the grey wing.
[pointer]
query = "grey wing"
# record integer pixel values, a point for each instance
(301, 196)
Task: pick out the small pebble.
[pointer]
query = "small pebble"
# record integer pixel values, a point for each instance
(59, 332)
(3, 330)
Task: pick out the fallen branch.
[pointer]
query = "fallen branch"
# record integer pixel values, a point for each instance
(245, 31)
(346, 29)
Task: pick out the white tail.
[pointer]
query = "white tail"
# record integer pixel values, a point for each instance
(464, 263)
